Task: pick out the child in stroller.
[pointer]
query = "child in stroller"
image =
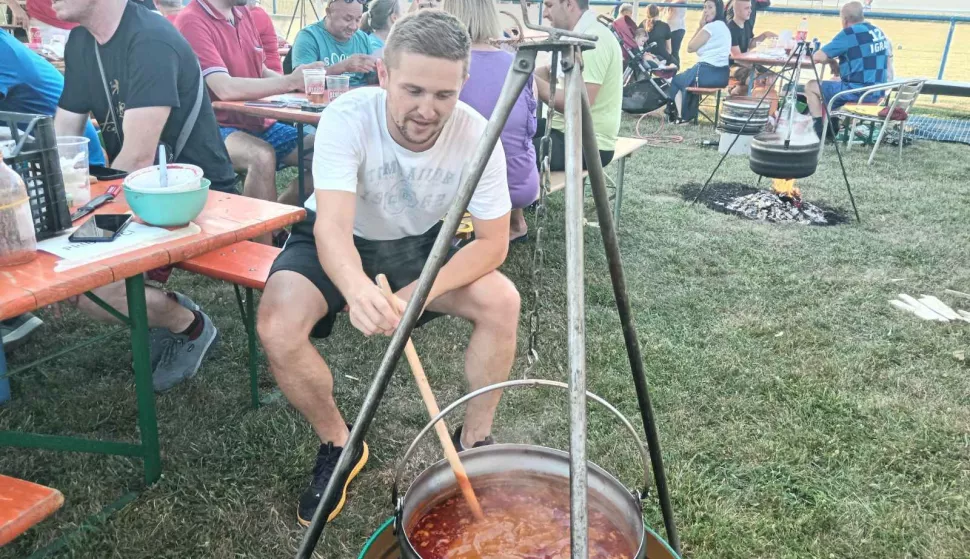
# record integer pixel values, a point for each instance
(646, 78)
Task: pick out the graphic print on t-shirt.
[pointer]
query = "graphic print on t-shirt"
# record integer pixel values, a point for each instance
(397, 191)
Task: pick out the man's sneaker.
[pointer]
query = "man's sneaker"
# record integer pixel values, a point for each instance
(157, 337)
(456, 438)
(182, 354)
(15, 331)
(327, 458)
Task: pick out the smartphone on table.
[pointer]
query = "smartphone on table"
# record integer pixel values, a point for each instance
(101, 228)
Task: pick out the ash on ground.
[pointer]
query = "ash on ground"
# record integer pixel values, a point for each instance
(766, 205)
(761, 205)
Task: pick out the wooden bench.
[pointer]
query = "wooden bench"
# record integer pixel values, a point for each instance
(623, 150)
(703, 93)
(243, 264)
(24, 504)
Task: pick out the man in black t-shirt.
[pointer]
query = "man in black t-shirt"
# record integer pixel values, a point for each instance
(155, 87)
(741, 27)
(154, 81)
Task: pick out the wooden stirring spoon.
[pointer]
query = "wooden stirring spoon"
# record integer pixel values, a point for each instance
(429, 401)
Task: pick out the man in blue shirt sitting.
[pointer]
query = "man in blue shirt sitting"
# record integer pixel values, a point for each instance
(338, 42)
(862, 51)
(29, 84)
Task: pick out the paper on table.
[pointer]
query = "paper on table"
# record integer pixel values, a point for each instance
(135, 236)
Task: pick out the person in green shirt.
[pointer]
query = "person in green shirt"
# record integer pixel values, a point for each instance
(602, 74)
(338, 42)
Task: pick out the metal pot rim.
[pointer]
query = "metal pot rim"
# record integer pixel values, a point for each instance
(518, 384)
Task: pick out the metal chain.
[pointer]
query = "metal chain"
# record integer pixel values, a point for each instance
(538, 255)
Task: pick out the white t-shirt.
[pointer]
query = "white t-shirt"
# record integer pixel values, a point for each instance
(717, 50)
(401, 193)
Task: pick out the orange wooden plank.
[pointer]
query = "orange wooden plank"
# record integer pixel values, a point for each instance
(24, 504)
(48, 286)
(245, 263)
(15, 301)
(283, 114)
(225, 220)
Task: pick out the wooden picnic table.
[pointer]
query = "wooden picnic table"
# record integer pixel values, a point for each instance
(290, 114)
(225, 220)
(24, 504)
(756, 58)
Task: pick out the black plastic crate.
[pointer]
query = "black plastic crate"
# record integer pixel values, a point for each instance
(35, 159)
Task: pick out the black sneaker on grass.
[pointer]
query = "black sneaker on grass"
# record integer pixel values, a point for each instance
(456, 438)
(327, 458)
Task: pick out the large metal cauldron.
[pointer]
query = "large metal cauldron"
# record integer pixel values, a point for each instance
(771, 158)
(383, 544)
(438, 482)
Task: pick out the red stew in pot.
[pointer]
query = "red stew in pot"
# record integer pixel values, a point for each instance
(525, 518)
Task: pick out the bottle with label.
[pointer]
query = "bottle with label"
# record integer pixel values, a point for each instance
(802, 34)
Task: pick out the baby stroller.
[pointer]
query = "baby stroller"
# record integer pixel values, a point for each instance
(645, 80)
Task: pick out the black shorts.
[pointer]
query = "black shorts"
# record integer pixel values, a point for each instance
(401, 260)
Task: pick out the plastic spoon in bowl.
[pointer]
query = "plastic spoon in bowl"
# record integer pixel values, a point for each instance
(162, 167)
(424, 387)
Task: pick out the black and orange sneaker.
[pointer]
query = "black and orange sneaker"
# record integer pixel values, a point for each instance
(456, 438)
(326, 462)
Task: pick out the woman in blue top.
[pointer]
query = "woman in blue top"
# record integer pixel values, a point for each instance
(377, 22)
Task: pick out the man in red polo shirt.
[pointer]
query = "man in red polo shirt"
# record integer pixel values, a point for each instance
(225, 38)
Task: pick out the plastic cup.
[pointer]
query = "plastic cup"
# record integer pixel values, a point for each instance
(315, 85)
(337, 85)
(73, 154)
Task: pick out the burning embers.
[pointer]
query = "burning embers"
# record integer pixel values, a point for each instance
(782, 203)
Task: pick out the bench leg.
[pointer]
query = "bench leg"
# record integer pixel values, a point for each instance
(144, 390)
(717, 108)
(620, 168)
(299, 157)
(249, 321)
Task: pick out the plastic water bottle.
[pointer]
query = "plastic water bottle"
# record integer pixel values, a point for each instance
(802, 34)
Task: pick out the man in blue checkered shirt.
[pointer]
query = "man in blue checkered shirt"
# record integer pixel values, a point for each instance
(862, 51)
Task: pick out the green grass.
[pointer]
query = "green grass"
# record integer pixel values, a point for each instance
(800, 415)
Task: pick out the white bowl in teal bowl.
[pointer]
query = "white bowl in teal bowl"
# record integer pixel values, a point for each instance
(164, 208)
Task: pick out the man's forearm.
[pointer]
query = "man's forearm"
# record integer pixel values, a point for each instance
(129, 161)
(339, 259)
(478, 258)
(245, 89)
(543, 90)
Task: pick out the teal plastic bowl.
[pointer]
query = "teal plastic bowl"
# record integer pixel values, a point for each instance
(168, 209)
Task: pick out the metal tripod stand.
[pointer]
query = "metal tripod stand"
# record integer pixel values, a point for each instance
(794, 63)
(579, 140)
(300, 6)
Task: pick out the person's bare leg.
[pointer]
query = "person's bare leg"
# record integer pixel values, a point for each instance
(291, 195)
(492, 305)
(813, 95)
(517, 225)
(290, 307)
(163, 311)
(257, 159)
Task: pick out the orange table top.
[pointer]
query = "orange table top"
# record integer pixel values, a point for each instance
(285, 114)
(226, 219)
(24, 504)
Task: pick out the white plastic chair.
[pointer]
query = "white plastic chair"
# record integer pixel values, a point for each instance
(902, 94)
